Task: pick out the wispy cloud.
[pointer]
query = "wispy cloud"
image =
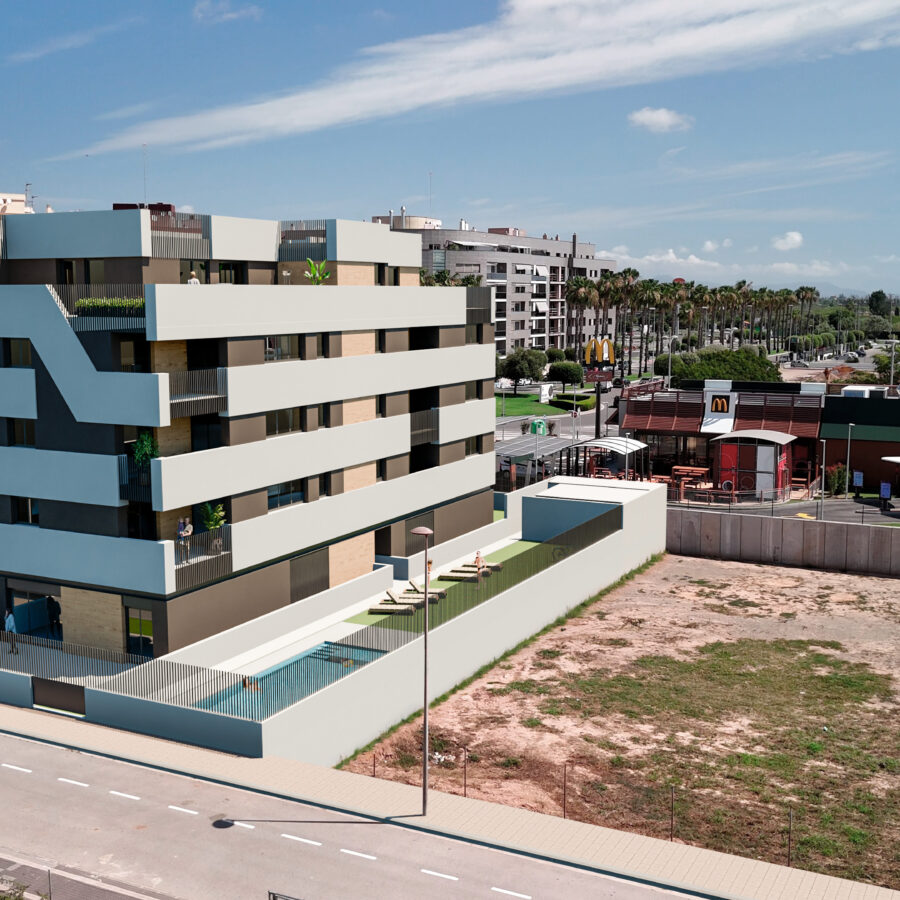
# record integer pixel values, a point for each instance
(126, 112)
(661, 120)
(214, 12)
(790, 240)
(536, 47)
(71, 41)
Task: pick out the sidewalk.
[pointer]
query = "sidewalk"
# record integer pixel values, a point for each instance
(695, 871)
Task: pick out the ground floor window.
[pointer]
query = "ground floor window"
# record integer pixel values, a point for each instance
(140, 631)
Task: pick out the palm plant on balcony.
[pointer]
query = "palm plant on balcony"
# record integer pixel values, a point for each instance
(317, 273)
(145, 448)
(213, 518)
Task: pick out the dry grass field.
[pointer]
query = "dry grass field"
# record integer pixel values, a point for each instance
(752, 690)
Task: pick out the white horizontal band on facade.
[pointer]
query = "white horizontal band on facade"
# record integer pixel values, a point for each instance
(120, 564)
(292, 528)
(60, 475)
(112, 398)
(256, 389)
(195, 477)
(461, 420)
(18, 393)
(186, 311)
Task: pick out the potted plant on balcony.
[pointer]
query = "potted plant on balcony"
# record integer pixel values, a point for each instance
(213, 518)
(317, 272)
(145, 448)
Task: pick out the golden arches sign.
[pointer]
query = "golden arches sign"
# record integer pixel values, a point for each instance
(604, 350)
(719, 404)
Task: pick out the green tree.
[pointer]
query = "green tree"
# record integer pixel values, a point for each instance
(744, 364)
(877, 326)
(555, 355)
(581, 295)
(522, 364)
(566, 372)
(879, 304)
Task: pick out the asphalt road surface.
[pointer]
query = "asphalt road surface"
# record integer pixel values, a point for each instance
(152, 835)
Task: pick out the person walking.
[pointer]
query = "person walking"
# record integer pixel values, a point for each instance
(53, 616)
(193, 279)
(9, 622)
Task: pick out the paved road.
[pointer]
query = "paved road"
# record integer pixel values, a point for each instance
(839, 510)
(163, 835)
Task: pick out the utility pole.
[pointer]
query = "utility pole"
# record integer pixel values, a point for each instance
(847, 467)
(821, 514)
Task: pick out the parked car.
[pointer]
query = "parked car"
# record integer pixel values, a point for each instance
(860, 351)
(799, 364)
(851, 357)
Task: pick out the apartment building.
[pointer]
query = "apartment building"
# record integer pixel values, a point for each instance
(159, 367)
(528, 275)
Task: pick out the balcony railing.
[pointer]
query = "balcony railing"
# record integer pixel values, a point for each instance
(423, 427)
(197, 392)
(175, 235)
(101, 307)
(134, 480)
(202, 558)
(496, 276)
(302, 239)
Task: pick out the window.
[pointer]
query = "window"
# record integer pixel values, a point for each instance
(283, 421)
(472, 334)
(325, 485)
(380, 341)
(21, 432)
(94, 271)
(520, 288)
(380, 406)
(518, 325)
(25, 511)
(322, 347)
(518, 306)
(380, 470)
(473, 445)
(200, 266)
(501, 292)
(323, 414)
(286, 493)
(233, 273)
(20, 353)
(471, 390)
(282, 346)
(140, 631)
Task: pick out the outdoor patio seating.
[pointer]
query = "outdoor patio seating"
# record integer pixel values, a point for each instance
(414, 589)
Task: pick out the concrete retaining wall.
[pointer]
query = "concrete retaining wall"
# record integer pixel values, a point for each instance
(834, 546)
(15, 689)
(334, 722)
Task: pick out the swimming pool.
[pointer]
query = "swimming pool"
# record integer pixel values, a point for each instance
(288, 681)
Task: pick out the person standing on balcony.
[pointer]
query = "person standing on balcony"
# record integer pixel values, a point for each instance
(179, 542)
(193, 279)
(188, 531)
(9, 622)
(53, 616)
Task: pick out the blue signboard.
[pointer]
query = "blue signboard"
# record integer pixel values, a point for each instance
(885, 490)
(857, 479)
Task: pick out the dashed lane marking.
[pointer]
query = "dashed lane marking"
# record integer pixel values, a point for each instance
(190, 812)
(511, 893)
(15, 768)
(439, 875)
(293, 837)
(126, 796)
(357, 853)
(70, 781)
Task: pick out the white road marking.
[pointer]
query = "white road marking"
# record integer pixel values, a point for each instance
(15, 768)
(126, 796)
(511, 893)
(355, 853)
(293, 837)
(439, 874)
(190, 812)
(242, 824)
(76, 783)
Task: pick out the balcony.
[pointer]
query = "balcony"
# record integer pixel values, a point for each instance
(134, 480)
(198, 392)
(177, 235)
(202, 558)
(101, 307)
(496, 276)
(423, 427)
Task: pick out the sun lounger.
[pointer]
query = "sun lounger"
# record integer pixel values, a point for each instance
(415, 589)
(392, 609)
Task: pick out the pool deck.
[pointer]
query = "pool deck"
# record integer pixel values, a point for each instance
(335, 627)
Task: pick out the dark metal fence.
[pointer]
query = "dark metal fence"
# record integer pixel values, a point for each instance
(101, 307)
(423, 427)
(63, 661)
(175, 235)
(134, 480)
(202, 558)
(197, 392)
(302, 239)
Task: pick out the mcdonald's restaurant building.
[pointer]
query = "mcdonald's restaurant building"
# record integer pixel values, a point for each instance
(696, 426)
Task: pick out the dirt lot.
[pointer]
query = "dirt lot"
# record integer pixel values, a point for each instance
(752, 690)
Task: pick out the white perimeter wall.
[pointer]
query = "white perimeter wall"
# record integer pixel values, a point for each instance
(101, 233)
(180, 311)
(372, 242)
(334, 722)
(254, 240)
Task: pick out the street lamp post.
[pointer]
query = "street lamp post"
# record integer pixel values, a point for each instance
(847, 467)
(426, 533)
(822, 486)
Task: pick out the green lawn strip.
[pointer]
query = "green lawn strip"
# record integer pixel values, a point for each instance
(367, 618)
(573, 613)
(524, 405)
(508, 552)
(499, 514)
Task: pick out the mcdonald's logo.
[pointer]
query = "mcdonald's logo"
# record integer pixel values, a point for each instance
(604, 349)
(719, 403)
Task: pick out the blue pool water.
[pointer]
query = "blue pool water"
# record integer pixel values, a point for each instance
(288, 681)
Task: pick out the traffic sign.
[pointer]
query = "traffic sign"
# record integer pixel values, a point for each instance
(593, 376)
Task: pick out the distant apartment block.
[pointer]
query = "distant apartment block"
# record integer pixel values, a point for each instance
(153, 362)
(528, 276)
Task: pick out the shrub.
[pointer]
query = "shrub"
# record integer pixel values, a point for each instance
(570, 354)
(584, 402)
(102, 304)
(566, 373)
(836, 476)
(555, 355)
(145, 448)
(511, 762)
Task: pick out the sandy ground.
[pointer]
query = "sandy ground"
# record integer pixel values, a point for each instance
(672, 609)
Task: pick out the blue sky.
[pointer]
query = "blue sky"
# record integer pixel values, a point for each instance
(709, 139)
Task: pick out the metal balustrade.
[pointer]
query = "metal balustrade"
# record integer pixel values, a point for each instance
(134, 480)
(198, 392)
(202, 558)
(423, 427)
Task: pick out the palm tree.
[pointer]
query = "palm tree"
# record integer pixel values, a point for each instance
(651, 298)
(606, 289)
(627, 278)
(581, 293)
(809, 296)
